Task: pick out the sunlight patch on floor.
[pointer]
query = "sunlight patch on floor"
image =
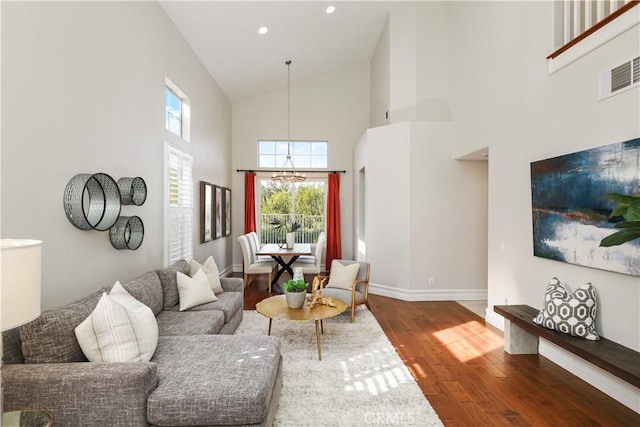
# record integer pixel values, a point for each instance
(379, 377)
(468, 340)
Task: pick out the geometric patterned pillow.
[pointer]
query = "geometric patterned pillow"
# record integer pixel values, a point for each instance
(572, 314)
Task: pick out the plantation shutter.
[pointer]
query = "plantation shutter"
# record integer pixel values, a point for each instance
(180, 214)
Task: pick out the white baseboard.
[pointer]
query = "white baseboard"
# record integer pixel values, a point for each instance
(609, 384)
(428, 294)
(227, 271)
(494, 319)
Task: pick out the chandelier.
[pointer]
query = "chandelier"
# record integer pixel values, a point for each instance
(288, 172)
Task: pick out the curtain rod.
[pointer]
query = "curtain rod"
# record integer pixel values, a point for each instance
(297, 170)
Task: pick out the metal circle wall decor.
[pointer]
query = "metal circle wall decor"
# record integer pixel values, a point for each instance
(92, 201)
(127, 233)
(133, 191)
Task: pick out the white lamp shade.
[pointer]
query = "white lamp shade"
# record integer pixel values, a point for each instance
(20, 272)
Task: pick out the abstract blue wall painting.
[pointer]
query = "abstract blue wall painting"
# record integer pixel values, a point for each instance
(570, 213)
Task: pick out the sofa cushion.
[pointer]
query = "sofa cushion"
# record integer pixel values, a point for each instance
(237, 391)
(342, 294)
(148, 290)
(169, 282)
(120, 329)
(228, 302)
(11, 347)
(51, 337)
(190, 322)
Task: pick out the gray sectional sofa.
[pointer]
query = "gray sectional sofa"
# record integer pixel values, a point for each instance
(199, 374)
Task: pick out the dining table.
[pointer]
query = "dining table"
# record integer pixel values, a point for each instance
(285, 257)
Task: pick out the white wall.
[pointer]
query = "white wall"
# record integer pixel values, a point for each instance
(437, 224)
(432, 53)
(334, 107)
(528, 115)
(402, 63)
(380, 79)
(503, 97)
(83, 92)
(425, 213)
(409, 67)
(385, 153)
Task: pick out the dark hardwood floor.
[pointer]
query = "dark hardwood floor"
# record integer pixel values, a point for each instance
(462, 369)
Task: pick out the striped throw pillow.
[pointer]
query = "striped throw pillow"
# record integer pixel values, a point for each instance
(120, 329)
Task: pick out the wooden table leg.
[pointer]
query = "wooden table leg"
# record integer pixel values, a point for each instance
(321, 327)
(270, 320)
(318, 339)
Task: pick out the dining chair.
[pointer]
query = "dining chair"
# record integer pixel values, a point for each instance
(312, 264)
(312, 258)
(255, 244)
(348, 285)
(251, 267)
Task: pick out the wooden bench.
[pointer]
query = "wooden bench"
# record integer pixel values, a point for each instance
(521, 337)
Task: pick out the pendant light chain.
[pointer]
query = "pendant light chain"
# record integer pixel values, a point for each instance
(288, 173)
(288, 105)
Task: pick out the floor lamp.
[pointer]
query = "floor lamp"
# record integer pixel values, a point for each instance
(20, 272)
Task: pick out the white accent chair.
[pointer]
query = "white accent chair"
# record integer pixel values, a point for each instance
(358, 292)
(251, 267)
(313, 264)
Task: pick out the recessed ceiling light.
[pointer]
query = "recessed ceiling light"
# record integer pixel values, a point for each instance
(263, 30)
(331, 9)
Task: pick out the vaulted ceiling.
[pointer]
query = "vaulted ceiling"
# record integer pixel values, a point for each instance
(244, 63)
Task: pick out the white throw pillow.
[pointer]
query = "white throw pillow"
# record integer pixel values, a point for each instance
(194, 290)
(211, 270)
(120, 329)
(342, 276)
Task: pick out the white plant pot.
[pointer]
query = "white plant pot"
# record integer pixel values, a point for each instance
(291, 239)
(295, 299)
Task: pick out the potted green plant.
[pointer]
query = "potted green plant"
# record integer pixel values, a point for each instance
(628, 207)
(288, 226)
(295, 292)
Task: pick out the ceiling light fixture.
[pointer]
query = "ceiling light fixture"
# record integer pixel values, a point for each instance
(263, 30)
(330, 9)
(288, 172)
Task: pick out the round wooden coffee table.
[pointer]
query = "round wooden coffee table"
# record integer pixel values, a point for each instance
(276, 308)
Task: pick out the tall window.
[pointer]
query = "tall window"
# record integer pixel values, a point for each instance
(304, 154)
(303, 202)
(179, 202)
(176, 111)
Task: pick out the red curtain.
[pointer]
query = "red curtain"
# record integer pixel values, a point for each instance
(334, 244)
(249, 202)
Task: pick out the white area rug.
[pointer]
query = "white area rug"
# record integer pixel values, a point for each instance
(361, 380)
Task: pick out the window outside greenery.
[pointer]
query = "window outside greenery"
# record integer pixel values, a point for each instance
(302, 202)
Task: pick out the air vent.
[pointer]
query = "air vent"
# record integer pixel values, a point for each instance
(620, 78)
